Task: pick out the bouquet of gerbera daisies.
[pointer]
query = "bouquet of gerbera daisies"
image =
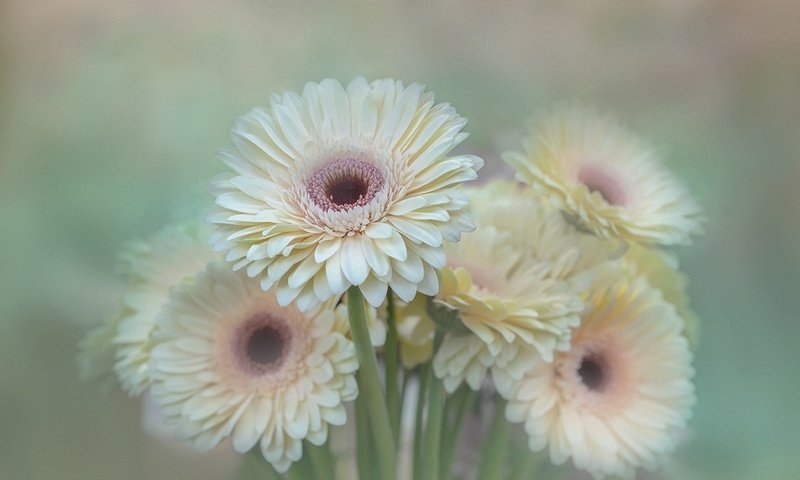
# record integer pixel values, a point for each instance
(349, 286)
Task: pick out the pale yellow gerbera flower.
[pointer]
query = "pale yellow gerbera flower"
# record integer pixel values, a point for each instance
(229, 361)
(606, 179)
(618, 399)
(660, 268)
(171, 255)
(502, 295)
(344, 186)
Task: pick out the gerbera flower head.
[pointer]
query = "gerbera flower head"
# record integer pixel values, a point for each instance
(606, 180)
(344, 186)
(502, 295)
(229, 361)
(172, 255)
(619, 397)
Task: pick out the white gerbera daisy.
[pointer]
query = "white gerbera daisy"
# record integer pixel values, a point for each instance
(606, 179)
(342, 187)
(173, 254)
(229, 361)
(502, 295)
(618, 398)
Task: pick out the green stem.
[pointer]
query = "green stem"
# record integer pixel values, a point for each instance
(301, 469)
(495, 447)
(255, 467)
(370, 385)
(424, 377)
(462, 402)
(364, 455)
(433, 433)
(526, 468)
(393, 399)
(322, 460)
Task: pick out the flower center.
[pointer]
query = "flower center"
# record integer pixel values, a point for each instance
(593, 372)
(344, 184)
(603, 182)
(262, 344)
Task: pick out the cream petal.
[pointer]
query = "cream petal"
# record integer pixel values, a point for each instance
(304, 271)
(374, 291)
(403, 288)
(393, 246)
(412, 269)
(378, 262)
(353, 264)
(292, 127)
(336, 279)
(419, 232)
(326, 248)
(378, 230)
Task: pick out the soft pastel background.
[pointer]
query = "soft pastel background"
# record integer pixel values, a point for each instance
(110, 112)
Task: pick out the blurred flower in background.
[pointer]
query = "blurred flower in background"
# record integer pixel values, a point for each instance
(111, 113)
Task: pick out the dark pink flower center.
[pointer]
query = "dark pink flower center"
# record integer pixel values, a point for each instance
(593, 372)
(262, 344)
(344, 184)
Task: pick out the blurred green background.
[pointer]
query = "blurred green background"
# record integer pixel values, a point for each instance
(111, 112)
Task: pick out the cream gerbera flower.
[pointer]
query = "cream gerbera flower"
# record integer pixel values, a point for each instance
(618, 398)
(341, 187)
(153, 267)
(229, 361)
(502, 295)
(606, 179)
(661, 271)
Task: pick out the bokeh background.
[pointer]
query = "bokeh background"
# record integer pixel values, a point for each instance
(110, 113)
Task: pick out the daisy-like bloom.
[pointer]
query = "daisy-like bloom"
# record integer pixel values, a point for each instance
(172, 255)
(344, 186)
(606, 179)
(619, 397)
(661, 271)
(502, 295)
(229, 361)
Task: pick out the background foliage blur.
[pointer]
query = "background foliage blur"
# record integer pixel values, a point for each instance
(110, 113)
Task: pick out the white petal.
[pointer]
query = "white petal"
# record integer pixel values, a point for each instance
(374, 291)
(353, 263)
(393, 246)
